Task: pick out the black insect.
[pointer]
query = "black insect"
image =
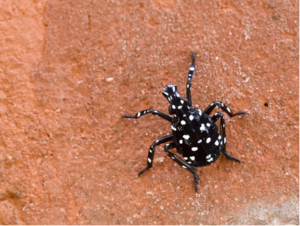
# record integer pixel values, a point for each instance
(194, 133)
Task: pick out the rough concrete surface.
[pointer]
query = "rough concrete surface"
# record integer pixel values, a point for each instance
(69, 70)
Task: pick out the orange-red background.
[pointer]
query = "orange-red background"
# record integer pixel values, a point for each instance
(69, 70)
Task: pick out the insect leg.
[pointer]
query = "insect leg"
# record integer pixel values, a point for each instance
(223, 135)
(189, 80)
(182, 163)
(152, 150)
(221, 105)
(154, 112)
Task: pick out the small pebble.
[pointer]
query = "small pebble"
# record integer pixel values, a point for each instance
(272, 5)
(275, 16)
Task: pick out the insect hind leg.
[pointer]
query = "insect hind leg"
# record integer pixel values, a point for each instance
(221, 105)
(152, 150)
(182, 163)
(223, 136)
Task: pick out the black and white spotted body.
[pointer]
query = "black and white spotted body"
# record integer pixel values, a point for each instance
(195, 134)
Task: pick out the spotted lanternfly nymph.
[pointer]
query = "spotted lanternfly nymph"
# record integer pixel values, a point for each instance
(195, 134)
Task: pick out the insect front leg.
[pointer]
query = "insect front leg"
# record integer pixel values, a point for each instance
(152, 150)
(189, 80)
(182, 163)
(221, 105)
(154, 112)
(222, 140)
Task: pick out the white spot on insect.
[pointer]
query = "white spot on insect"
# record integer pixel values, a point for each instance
(192, 158)
(166, 93)
(156, 111)
(187, 86)
(208, 140)
(192, 68)
(217, 143)
(223, 125)
(156, 141)
(184, 167)
(144, 112)
(228, 109)
(184, 115)
(183, 122)
(191, 117)
(173, 128)
(199, 141)
(150, 150)
(200, 113)
(173, 88)
(189, 162)
(179, 107)
(181, 101)
(180, 141)
(172, 157)
(208, 156)
(208, 124)
(185, 158)
(221, 142)
(149, 160)
(173, 106)
(210, 160)
(186, 137)
(219, 137)
(224, 140)
(194, 149)
(211, 104)
(177, 94)
(139, 114)
(202, 128)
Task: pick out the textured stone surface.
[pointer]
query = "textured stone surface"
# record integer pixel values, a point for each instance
(69, 69)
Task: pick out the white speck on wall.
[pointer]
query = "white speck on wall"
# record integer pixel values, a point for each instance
(109, 79)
